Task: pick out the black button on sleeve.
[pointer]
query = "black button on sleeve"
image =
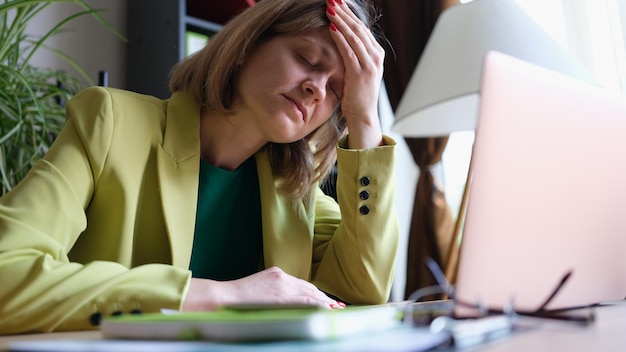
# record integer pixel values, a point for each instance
(364, 195)
(365, 181)
(117, 313)
(95, 319)
(364, 210)
(135, 311)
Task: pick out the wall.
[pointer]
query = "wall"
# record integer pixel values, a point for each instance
(88, 42)
(406, 175)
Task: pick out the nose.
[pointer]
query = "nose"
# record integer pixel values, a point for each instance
(315, 88)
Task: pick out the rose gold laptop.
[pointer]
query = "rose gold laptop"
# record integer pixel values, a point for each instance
(548, 191)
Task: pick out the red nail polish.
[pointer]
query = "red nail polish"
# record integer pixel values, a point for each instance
(341, 304)
(333, 27)
(331, 2)
(340, 2)
(331, 11)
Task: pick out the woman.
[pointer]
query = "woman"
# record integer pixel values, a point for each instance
(211, 197)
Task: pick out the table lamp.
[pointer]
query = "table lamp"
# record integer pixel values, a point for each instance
(443, 93)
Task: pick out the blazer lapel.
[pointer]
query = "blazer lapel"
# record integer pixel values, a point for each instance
(287, 231)
(178, 163)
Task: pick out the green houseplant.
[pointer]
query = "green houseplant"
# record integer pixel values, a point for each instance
(32, 98)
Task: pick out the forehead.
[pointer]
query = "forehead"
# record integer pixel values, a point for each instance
(315, 44)
(318, 40)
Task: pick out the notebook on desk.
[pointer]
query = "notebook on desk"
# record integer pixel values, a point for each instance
(255, 323)
(547, 192)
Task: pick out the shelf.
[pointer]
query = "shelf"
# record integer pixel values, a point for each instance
(202, 23)
(217, 11)
(161, 33)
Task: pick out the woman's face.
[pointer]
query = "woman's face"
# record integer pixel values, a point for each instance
(291, 85)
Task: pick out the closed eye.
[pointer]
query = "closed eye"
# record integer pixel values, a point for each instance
(307, 61)
(312, 64)
(336, 85)
(335, 92)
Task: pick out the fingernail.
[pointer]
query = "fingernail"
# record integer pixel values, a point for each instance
(334, 306)
(333, 27)
(340, 2)
(341, 304)
(331, 11)
(331, 2)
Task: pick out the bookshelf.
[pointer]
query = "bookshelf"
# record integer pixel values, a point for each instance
(162, 32)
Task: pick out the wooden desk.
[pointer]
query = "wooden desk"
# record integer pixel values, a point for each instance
(607, 333)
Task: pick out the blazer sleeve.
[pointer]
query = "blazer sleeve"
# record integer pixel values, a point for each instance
(40, 220)
(356, 240)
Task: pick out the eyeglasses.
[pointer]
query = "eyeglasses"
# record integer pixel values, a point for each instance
(583, 315)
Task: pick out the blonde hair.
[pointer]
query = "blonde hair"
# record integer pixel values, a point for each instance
(210, 76)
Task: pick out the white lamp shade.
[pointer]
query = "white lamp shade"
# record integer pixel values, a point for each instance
(443, 93)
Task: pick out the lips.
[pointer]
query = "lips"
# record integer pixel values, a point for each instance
(298, 106)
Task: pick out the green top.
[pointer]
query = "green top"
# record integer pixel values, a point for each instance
(228, 242)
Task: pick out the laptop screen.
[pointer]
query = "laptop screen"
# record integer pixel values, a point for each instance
(547, 193)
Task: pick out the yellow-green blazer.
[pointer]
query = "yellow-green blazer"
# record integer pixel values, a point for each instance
(104, 223)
